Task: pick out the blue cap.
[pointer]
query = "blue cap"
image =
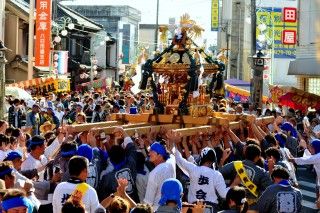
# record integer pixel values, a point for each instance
(86, 151)
(288, 127)
(159, 149)
(280, 139)
(17, 202)
(171, 190)
(316, 145)
(13, 155)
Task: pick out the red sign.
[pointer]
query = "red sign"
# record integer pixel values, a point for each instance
(43, 33)
(289, 14)
(289, 37)
(300, 101)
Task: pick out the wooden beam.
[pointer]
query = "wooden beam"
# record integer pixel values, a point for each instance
(147, 129)
(88, 126)
(234, 125)
(267, 120)
(194, 130)
(162, 118)
(188, 119)
(131, 118)
(109, 130)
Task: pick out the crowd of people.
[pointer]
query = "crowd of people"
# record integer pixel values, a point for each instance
(47, 166)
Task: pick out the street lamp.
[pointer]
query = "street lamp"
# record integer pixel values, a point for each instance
(258, 66)
(62, 26)
(3, 61)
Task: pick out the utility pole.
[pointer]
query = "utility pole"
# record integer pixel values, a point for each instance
(228, 35)
(3, 62)
(157, 26)
(2, 20)
(239, 40)
(253, 27)
(31, 40)
(253, 44)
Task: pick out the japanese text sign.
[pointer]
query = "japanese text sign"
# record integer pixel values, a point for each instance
(62, 85)
(289, 37)
(282, 35)
(43, 33)
(215, 15)
(289, 14)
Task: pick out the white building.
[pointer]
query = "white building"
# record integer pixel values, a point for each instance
(236, 35)
(306, 66)
(277, 73)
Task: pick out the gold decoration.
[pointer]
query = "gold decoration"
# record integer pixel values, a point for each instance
(142, 56)
(185, 59)
(163, 29)
(222, 57)
(174, 58)
(190, 26)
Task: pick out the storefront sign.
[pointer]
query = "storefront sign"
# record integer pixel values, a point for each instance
(289, 37)
(43, 33)
(289, 14)
(62, 85)
(273, 18)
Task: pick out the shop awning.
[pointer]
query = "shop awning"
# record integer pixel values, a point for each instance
(294, 98)
(304, 66)
(237, 82)
(242, 92)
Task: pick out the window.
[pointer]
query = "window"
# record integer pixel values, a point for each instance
(314, 85)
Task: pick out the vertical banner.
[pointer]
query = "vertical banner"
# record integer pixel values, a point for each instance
(60, 62)
(43, 33)
(215, 15)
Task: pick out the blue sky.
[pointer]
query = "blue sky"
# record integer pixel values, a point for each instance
(199, 10)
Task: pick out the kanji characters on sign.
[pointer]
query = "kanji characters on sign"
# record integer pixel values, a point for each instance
(43, 33)
(289, 37)
(289, 14)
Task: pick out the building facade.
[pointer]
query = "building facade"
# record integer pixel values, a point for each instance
(16, 39)
(122, 22)
(306, 67)
(235, 34)
(277, 74)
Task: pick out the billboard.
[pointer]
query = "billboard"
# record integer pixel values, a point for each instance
(43, 33)
(277, 31)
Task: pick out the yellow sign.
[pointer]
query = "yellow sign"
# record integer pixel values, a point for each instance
(273, 19)
(215, 15)
(62, 85)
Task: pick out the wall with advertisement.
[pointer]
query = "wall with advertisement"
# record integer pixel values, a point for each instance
(273, 19)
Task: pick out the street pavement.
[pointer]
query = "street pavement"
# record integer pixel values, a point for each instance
(307, 185)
